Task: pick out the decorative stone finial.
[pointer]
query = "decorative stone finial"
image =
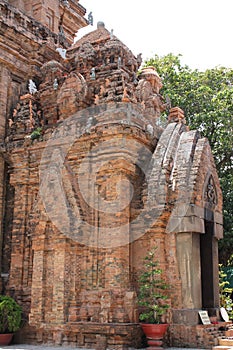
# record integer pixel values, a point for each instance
(176, 115)
(100, 25)
(32, 87)
(148, 92)
(90, 19)
(150, 74)
(62, 52)
(92, 74)
(66, 3)
(111, 34)
(55, 84)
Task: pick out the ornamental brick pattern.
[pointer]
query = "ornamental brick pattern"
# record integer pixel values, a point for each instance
(90, 182)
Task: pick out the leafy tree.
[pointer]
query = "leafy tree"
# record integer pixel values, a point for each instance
(10, 315)
(207, 100)
(151, 295)
(225, 291)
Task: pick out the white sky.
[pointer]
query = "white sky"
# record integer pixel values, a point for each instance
(200, 30)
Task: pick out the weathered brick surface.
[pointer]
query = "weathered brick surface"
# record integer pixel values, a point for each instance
(52, 14)
(99, 186)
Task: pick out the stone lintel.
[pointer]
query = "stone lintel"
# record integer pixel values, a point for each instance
(187, 224)
(191, 218)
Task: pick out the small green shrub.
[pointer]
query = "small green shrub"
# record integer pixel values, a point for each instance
(10, 315)
(225, 292)
(36, 133)
(152, 296)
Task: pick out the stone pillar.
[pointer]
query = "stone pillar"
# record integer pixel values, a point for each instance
(35, 317)
(19, 179)
(37, 289)
(18, 235)
(2, 171)
(4, 83)
(189, 265)
(188, 254)
(118, 260)
(59, 266)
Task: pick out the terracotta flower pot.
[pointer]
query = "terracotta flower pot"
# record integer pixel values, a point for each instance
(5, 339)
(154, 334)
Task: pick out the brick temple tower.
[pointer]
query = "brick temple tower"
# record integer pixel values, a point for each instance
(90, 181)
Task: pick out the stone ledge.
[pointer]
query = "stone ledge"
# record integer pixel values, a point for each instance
(226, 342)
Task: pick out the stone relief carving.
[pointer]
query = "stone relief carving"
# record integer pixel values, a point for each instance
(210, 194)
(72, 93)
(26, 117)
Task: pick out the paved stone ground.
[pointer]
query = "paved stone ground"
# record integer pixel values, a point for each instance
(46, 347)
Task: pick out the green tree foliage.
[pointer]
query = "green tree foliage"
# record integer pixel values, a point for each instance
(225, 291)
(10, 315)
(207, 100)
(152, 296)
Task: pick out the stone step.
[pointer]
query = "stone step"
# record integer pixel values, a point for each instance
(229, 333)
(226, 342)
(222, 347)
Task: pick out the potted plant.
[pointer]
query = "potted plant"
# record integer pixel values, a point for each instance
(10, 318)
(152, 300)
